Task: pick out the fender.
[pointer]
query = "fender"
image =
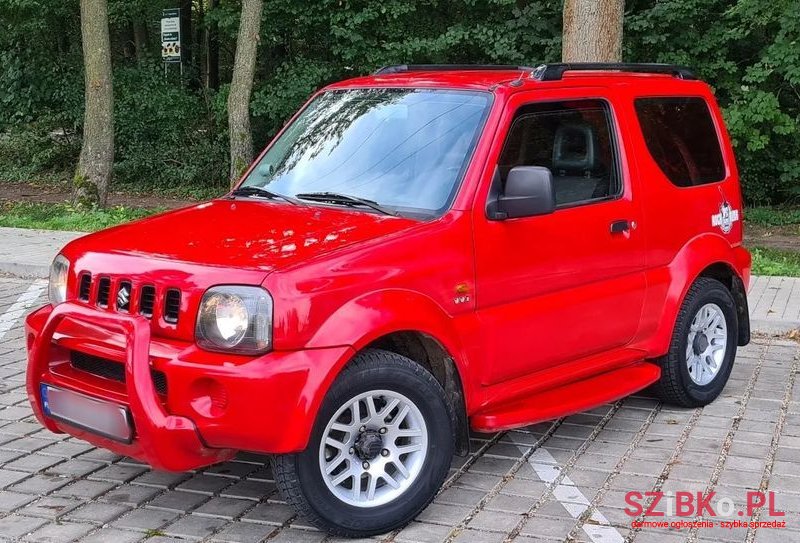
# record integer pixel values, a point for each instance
(379, 313)
(667, 286)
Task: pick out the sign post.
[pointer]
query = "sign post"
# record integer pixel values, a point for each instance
(171, 37)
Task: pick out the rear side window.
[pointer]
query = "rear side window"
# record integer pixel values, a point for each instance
(682, 139)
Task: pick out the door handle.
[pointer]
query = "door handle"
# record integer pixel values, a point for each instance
(621, 226)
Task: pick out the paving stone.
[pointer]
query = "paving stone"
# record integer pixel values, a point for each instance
(33, 463)
(63, 532)
(8, 477)
(249, 489)
(508, 503)
(51, 507)
(194, 527)
(232, 469)
(269, 513)
(84, 489)
(223, 508)
(423, 532)
(113, 535)
(541, 526)
(66, 449)
(291, 535)
(15, 526)
(477, 481)
(160, 479)
(460, 496)
(131, 494)
(178, 501)
(145, 519)
(495, 521)
(444, 514)
(117, 473)
(12, 500)
(98, 512)
(205, 484)
(476, 536)
(244, 532)
(41, 484)
(101, 455)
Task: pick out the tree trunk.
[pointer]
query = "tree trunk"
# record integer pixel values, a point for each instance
(97, 153)
(592, 30)
(241, 140)
(212, 50)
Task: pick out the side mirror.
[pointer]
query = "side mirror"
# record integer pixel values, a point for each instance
(528, 192)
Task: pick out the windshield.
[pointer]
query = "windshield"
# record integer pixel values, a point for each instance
(405, 149)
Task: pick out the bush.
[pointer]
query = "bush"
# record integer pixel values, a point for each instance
(167, 136)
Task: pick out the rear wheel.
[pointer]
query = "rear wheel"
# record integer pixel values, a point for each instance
(703, 346)
(380, 449)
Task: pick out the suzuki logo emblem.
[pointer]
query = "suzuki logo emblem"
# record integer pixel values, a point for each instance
(123, 297)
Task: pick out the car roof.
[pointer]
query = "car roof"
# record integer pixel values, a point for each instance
(490, 77)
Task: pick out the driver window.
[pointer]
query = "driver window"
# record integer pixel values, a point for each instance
(573, 140)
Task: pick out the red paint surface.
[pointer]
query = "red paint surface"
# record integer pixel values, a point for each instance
(554, 302)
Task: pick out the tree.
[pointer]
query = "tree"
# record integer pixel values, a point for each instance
(97, 152)
(241, 138)
(212, 49)
(592, 30)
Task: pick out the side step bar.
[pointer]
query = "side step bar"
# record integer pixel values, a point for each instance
(568, 399)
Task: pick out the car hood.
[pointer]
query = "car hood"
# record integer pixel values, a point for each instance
(258, 235)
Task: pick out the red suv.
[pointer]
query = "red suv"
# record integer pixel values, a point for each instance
(419, 253)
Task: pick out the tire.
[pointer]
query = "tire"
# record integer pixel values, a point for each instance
(699, 382)
(427, 429)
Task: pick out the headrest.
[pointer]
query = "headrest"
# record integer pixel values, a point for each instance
(574, 148)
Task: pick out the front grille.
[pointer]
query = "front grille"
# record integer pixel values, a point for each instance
(127, 296)
(172, 305)
(103, 290)
(85, 287)
(147, 300)
(109, 369)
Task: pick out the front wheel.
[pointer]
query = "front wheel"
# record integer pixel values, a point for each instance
(379, 451)
(703, 346)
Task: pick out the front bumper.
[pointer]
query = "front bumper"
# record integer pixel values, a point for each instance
(214, 405)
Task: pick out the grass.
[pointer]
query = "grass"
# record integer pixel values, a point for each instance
(66, 217)
(772, 216)
(775, 262)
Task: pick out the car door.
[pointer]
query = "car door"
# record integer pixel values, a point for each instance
(558, 287)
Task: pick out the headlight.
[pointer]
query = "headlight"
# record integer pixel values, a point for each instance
(57, 290)
(235, 318)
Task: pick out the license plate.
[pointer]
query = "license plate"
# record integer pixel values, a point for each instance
(97, 416)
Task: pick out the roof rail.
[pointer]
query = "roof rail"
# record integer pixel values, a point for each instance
(447, 67)
(554, 72)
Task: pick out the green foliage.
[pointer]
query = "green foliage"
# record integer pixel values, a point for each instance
(171, 134)
(775, 262)
(165, 134)
(66, 217)
(772, 216)
(748, 51)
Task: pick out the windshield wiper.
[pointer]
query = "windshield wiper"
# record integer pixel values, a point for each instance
(344, 199)
(264, 193)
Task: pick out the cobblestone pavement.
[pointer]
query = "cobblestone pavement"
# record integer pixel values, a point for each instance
(561, 481)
